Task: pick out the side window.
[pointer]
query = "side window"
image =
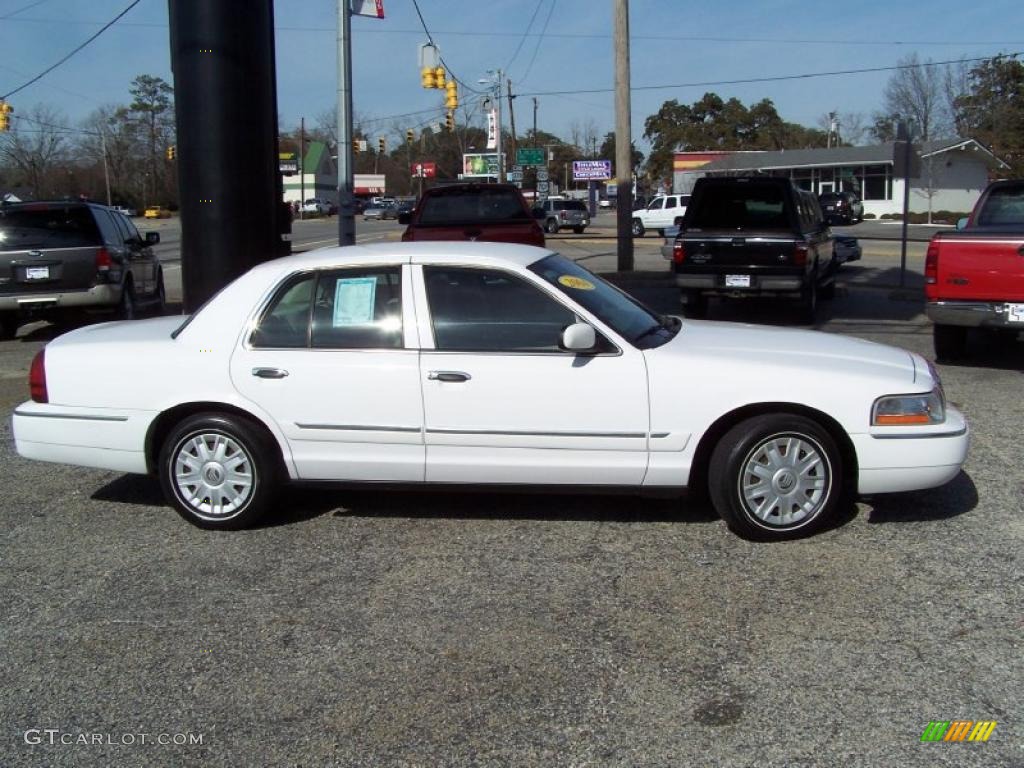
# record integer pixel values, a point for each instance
(286, 322)
(492, 311)
(358, 309)
(108, 230)
(657, 203)
(128, 232)
(133, 232)
(670, 202)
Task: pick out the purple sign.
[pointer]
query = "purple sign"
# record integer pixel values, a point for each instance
(591, 170)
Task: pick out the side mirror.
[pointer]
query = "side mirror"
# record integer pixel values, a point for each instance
(961, 223)
(404, 217)
(152, 238)
(579, 337)
(538, 213)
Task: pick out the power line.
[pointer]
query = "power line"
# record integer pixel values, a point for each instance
(526, 33)
(536, 48)
(774, 79)
(430, 39)
(45, 72)
(23, 8)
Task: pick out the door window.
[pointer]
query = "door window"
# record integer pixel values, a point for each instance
(670, 202)
(656, 204)
(109, 231)
(358, 309)
(492, 311)
(286, 323)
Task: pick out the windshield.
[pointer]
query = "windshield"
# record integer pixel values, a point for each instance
(621, 312)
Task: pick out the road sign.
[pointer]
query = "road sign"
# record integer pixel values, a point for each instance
(591, 170)
(542, 174)
(517, 168)
(530, 156)
(515, 175)
(542, 187)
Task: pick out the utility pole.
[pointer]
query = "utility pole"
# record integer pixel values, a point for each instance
(535, 121)
(106, 169)
(346, 186)
(511, 119)
(302, 166)
(623, 140)
(497, 103)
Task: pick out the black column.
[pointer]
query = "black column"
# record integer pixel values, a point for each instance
(225, 99)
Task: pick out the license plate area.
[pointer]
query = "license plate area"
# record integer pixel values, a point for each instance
(37, 273)
(1015, 313)
(737, 281)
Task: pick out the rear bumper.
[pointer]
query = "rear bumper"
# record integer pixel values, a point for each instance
(106, 295)
(760, 284)
(972, 314)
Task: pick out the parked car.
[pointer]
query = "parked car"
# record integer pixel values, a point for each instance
(317, 206)
(380, 211)
(753, 236)
(661, 212)
(61, 257)
(974, 277)
(846, 249)
(484, 363)
(564, 214)
(491, 212)
(841, 207)
(129, 212)
(156, 212)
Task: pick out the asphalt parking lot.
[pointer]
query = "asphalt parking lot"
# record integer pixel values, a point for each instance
(427, 629)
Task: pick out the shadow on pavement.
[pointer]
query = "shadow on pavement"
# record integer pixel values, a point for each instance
(958, 497)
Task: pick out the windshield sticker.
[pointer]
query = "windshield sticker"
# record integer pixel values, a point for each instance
(578, 283)
(354, 301)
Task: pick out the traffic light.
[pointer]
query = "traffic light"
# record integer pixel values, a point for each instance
(427, 77)
(410, 136)
(5, 120)
(171, 152)
(355, 147)
(382, 145)
(449, 121)
(451, 99)
(439, 77)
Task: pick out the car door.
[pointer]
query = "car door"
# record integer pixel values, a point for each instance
(653, 213)
(139, 255)
(669, 212)
(333, 359)
(504, 404)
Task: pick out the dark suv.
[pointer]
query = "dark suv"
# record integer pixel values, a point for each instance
(563, 214)
(488, 212)
(841, 207)
(57, 257)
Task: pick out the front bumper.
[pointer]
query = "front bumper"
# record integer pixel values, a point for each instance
(908, 458)
(972, 314)
(105, 295)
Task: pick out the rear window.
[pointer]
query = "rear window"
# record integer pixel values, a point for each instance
(739, 206)
(471, 206)
(38, 228)
(569, 205)
(1005, 206)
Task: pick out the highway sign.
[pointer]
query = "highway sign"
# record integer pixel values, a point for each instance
(530, 156)
(542, 187)
(515, 175)
(542, 174)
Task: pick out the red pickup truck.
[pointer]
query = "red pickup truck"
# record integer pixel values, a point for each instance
(974, 277)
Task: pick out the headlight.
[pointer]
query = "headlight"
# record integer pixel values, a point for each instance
(909, 410)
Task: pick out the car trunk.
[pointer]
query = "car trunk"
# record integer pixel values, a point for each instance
(711, 250)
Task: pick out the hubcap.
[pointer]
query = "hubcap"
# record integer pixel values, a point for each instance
(786, 480)
(213, 474)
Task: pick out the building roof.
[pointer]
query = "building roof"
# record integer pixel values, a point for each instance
(938, 147)
(803, 158)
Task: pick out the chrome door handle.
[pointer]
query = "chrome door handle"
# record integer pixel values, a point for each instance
(448, 376)
(269, 373)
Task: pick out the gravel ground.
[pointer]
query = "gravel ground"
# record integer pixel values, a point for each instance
(409, 629)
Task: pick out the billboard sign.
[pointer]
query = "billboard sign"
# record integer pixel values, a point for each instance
(479, 165)
(424, 170)
(372, 8)
(287, 163)
(591, 170)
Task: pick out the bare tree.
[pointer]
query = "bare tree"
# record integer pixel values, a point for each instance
(956, 84)
(38, 150)
(916, 94)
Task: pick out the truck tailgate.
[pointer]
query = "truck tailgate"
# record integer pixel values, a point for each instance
(979, 265)
(715, 252)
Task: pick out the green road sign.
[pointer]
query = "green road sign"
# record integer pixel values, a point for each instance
(530, 156)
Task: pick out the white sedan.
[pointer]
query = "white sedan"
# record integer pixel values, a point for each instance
(484, 363)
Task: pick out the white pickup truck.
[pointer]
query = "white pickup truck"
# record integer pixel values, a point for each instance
(663, 211)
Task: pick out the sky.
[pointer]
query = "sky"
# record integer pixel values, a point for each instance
(543, 45)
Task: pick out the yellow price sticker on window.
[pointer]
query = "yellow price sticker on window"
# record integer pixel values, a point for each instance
(576, 282)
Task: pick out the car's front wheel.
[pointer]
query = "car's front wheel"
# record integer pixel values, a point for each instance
(776, 477)
(551, 227)
(578, 230)
(219, 471)
(637, 228)
(126, 309)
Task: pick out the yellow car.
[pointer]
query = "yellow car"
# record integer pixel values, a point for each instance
(157, 212)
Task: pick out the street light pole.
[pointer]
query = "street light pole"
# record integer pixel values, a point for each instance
(346, 185)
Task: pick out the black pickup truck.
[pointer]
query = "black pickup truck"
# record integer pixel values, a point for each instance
(753, 236)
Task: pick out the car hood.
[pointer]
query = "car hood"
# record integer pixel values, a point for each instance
(765, 350)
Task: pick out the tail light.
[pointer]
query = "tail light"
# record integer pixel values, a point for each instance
(678, 252)
(800, 253)
(103, 260)
(931, 264)
(37, 377)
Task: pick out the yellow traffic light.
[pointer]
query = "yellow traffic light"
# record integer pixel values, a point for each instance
(5, 120)
(451, 99)
(171, 152)
(355, 146)
(410, 136)
(449, 121)
(382, 145)
(427, 78)
(439, 77)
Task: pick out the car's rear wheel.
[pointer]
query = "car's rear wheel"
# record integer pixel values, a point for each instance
(637, 228)
(8, 325)
(776, 477)
(578, 230)
(808, 310)
(551, 227)
(678, 222)
(695, 305)
(950, 341)
(219, 471)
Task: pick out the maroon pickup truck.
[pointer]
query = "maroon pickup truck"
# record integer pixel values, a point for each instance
(974, 277)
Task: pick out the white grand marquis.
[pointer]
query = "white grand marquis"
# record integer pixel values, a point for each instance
(484, 364)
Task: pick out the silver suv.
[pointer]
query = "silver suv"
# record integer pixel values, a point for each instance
(562, 214)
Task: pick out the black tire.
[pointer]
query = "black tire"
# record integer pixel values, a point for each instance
(256, 463)
(637, 228)
(827, 292)
(126, 310)
(808, 311)
(551, 227)
(578, 230)
(696, 305)
(950, 342)
(160, 302)
(678, 222)
(9, 322)
(777, 514)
